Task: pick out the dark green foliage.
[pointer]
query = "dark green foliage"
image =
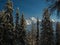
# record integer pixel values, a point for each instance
(17, 19)
(22, 30)
(37, 36)
(17, 29)
(8, 24)
(1, 27)
(46, 30)
(8, 34)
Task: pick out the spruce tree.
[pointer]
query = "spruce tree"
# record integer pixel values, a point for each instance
(58, 33)
(16, 36)
(17, 19)
(46, 30)
(8, 22)
(37, 36)
(1, 27)
(22, 36)
(32, 34)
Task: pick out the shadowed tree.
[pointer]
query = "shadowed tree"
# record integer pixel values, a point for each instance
(37, 36)
(46, 30)
(8, 22)
(1, 27)
(22, 36)
(17, 18)
(17, 26)
(58, 33)
(32, 34)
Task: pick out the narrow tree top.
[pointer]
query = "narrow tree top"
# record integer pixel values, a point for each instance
(37, 21)
(17, 11)
(46, 14)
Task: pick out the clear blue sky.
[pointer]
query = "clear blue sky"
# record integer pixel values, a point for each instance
(29, 7)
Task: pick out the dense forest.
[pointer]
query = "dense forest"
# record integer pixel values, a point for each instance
(41, 33)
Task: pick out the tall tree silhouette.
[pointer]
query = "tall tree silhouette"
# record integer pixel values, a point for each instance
(58, 33)
(46, 30)
(22, 30)
(1, 27)
(8, 22)
(32, 34)
(17, 18)
(37, 37)
(17, 28)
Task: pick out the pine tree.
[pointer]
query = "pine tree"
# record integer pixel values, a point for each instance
(32, 34)
(16, 36)
(9, 11)
(1, 27)
(58, 33)
(37, 37)
(46, 30)
(8, 22)
(22, 36)
(17, 18)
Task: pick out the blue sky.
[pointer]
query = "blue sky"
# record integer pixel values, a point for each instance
(31, 8)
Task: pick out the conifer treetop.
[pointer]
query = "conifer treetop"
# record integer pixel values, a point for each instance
(46, 14)
(23, 20)
(37, 20)
(17, 11)
(22, 15)
(9, 5)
